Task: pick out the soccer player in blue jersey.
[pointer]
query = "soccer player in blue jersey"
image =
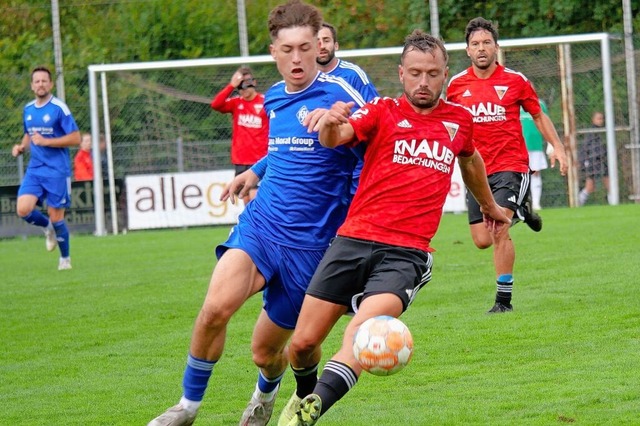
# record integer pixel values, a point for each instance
(49, 129)
(353, 74)
(330, 64)
(278, 241)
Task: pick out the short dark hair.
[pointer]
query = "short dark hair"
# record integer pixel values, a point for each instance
(480, 23)
(41, 69)
(334, 33)
(424, 42)
(294, 13)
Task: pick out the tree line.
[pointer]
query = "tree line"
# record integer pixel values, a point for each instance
(116, 31)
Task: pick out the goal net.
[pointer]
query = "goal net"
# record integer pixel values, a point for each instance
(171, 150)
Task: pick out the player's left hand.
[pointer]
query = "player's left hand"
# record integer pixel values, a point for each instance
(495, 218)
(240, 186)
(558, 155)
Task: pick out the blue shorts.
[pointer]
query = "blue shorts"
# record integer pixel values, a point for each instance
(287, 271)
(56, 191)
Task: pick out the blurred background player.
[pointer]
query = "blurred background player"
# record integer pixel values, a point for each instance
(352, 73)
(592, 156)
(49, 129)
(82, 162)
(330, 64)
(494, 94)
(278, 241)
(537, 147)
(249, 140)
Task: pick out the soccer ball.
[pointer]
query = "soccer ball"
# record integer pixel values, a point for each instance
(383, 345)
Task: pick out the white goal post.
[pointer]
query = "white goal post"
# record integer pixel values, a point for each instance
(558, 48)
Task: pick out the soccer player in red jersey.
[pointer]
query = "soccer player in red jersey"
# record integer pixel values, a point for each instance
(381, 256)
(493, 94)
(82, 162)
(250, 137)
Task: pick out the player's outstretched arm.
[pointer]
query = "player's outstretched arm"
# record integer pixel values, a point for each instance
(474, 176)
(334, 128)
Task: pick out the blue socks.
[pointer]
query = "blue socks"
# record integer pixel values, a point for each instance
(62, 231)
(196, 377)
(36, 218)
(62, 235)
(266, 385)
(505, 278)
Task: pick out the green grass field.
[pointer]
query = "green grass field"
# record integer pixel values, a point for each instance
(106, 343)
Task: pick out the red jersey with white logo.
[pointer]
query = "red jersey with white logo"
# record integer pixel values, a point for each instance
(408, 164)
(495, 104)
(250, 137)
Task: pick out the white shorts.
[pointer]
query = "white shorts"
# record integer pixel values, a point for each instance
(537, 160)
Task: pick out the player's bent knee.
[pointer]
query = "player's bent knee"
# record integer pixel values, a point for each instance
(267, 358)
(214, 318)
(301, 347)
(22, 213)
(482, 244)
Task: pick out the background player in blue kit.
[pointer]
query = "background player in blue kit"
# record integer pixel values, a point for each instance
(279, 241)
(332, 65)
(49, 129)
(352, 73)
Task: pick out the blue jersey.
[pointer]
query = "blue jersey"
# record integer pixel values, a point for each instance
(51, 120)
(356, 77)
(304, 194)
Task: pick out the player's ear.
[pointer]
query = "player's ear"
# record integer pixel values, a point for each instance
(272, 50)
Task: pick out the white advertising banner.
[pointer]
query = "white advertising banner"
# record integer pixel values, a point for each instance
(175, 200)
(179, 199)
(456, 199)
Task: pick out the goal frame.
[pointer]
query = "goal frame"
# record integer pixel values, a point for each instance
(97, 75)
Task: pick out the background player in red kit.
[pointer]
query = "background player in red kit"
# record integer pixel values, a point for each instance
(250, 137)
(381, 256)
(493, 94)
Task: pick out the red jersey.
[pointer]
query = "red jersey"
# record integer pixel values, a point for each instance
(250, 126)
(83, 166)
(495, 104)
(408, 163)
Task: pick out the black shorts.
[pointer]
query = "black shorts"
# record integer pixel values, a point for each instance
(241, 168)
(594, 169)
(509, 190)
(351, 270)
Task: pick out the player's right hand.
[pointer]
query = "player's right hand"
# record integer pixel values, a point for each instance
(236, 79)
(17, 150)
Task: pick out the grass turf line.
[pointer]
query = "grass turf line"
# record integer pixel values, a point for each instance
(106, 343)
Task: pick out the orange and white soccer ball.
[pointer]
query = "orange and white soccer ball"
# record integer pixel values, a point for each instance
(383, 345)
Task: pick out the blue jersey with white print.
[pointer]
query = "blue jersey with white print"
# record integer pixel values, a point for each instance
(51, 120)
(356, 77)
(304, 194)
